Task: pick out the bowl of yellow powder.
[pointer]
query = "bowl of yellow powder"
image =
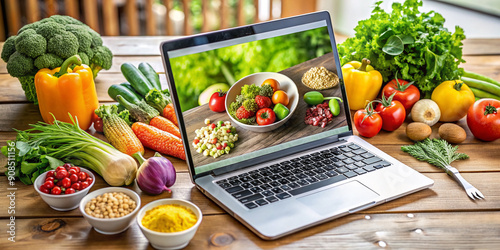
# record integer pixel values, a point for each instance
(169, 223)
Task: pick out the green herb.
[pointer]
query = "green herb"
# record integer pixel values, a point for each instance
(437, 152)
(413, 43)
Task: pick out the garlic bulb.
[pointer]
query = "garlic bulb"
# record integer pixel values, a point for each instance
(426, 111)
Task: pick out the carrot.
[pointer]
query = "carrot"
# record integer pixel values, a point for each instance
(169, 113)
(165, 125)
(159, 140)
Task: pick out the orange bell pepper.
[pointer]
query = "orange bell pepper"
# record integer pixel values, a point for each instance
(63, 91)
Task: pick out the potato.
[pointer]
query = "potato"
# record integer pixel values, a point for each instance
(452, 133)
(418, 131)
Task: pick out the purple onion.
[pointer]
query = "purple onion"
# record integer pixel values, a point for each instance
(155, 174)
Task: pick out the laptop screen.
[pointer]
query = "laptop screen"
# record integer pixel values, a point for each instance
(255, 121)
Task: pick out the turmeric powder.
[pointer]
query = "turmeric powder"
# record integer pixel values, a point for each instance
(169, 218)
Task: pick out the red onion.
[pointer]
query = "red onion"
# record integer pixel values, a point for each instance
(155, 174)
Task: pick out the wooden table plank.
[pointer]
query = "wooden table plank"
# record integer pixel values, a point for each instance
(463, 230)
(445, 195)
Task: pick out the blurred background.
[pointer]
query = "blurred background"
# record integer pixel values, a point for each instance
(479, 18)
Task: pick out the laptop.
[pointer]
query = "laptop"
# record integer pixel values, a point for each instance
(297, 175)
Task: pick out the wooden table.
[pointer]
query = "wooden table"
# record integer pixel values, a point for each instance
(440, 217)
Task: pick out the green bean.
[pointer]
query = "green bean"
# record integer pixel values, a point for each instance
(482, 85)
(476, 76)
(483, 94)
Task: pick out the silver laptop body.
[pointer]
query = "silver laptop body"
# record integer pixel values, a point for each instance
(348, 188)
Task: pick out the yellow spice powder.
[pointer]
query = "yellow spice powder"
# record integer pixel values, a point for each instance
(169, 218)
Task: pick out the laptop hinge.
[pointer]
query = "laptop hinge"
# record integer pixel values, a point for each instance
(273, 156)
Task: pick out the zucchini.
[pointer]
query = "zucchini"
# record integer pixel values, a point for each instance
(150, 74)
(128, 94)
(135, 77)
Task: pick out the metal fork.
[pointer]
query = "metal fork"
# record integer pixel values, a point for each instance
(471, 191)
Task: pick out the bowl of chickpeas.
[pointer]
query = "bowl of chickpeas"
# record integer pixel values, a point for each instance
(110, 210)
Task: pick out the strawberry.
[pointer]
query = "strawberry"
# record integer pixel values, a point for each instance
(263, 101)
(242, 113)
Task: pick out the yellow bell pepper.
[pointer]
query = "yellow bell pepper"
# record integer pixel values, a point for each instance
(362, 83)
(454, 99)
(64, 90)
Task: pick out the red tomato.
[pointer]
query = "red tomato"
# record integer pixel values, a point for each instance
(483, 119)
(265, 116)
(49, 179)
(76, 186)
(69, 191)
(74, 178)
(89, 180)
(59, 169)
(82, 176)
(61, 174)
(98, 125)
(77, 169)
(48, 184)
(367, 122)
(51, 173)
(392, 112)
(406, 93)
(66, 182)
(67, 166)
(44, 190)
(56, 190)
(84, 185)
(217, 101)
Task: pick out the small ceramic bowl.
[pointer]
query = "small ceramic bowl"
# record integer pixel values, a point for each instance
(114, 225)
(63, 202)
(286, 84)
(175, 240)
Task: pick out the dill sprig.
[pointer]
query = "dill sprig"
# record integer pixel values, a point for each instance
(437, 152)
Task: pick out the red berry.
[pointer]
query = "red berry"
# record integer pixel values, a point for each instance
(263, 101)
(56, 190)
(82, 176)
(242, 113)
(224, 145)
(61, 174)
(69, 191)
(84, 185)
(76, 186)
(66, 182)
(219, 147)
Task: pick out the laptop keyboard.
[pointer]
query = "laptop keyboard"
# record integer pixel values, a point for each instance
(302, 174)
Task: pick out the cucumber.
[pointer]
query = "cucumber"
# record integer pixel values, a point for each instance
(128, 86)
(135, 77)
(127, 94)
(150, 74)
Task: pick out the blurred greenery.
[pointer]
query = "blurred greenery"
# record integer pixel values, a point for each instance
(194, 73)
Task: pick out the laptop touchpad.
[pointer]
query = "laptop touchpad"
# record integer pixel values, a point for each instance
(340, 198)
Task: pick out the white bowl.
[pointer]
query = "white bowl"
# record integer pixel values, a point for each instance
(286, 84)
(175, 240)
(114, 225)
(62, 202)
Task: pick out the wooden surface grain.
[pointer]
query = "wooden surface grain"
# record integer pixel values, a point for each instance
(441, 217)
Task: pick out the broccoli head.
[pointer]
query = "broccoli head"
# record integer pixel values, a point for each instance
(250, 91)
(48, 61)
(30, 43)
(63, 45)
(157, 99)
(20, 65)
(101, 60)
(47, 43)
(266, 90)
(250, 105)
(9, 47)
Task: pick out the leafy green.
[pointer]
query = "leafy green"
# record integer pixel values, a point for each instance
(250, 91)
(413, 43)
(437, 152)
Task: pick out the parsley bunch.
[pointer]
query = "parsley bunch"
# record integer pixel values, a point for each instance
(413, 43)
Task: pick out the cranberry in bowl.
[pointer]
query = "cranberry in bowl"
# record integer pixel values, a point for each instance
(63, 188)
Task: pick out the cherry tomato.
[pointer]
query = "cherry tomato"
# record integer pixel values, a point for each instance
(265, 116)
(69, 191)
(406, 93)
(66, 182)
(56, 190)
(84, 185)
(58, 183)
(59, 169)
(367, 122)
(274, 84)
(483, 119)
(392, 112)
(82, 176)
(48, 184)
(98, 125)
(72, 172)
(217, 101)
(89, 180)
(44, 190)
(280, 96)
(76, 186)
(61, 174)
(77, 169)
(74, 178)
(50, 173)
(67, 166)
(50, 179)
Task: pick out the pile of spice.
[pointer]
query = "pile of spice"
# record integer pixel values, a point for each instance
(320, 78)
(110, 205)
(169, 218)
